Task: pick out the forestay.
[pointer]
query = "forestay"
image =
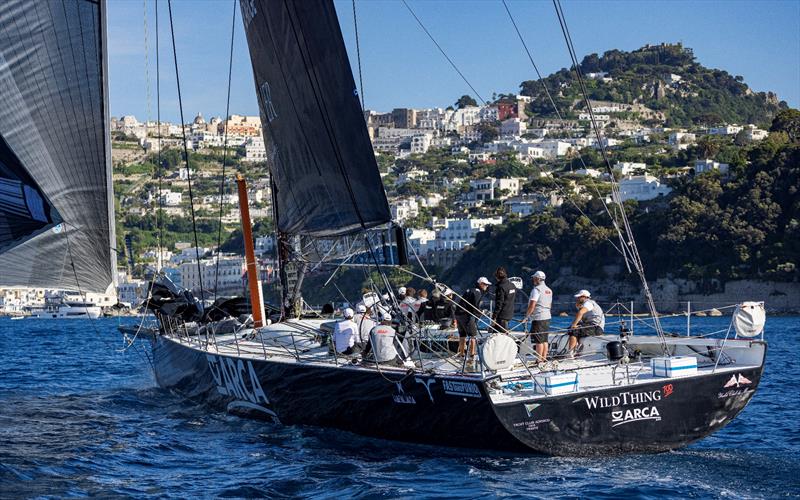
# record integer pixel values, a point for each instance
(320, 157)
(56, 205)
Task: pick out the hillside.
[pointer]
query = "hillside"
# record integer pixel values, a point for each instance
(665, 78)
(711, 227)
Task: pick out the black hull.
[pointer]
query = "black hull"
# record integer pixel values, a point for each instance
(453, 411)
(414, 408)
(647, 418)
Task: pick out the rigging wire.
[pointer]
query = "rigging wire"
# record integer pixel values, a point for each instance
(160, 202)
(622, 246)
(358, 57)
(631, 243)
(443, 52)
(186, 151)
(224, 153)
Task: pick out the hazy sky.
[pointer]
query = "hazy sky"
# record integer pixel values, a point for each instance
(759, 40)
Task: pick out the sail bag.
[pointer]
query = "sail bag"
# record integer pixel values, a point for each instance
(56, 203)
(320, 157)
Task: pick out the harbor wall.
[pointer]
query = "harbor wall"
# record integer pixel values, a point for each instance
(672, 295)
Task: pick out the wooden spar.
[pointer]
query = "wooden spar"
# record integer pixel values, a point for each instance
(256, 299)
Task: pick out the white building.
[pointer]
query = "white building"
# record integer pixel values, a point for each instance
(725, 130)
(410, 175)
(171, 198)
(254, 150)
(184, 173)
(532, 203)
(755, 134)
(404, 208)
(229, 281)
(420, 143)
(460, 233)
(490, 189)
(641, 188)
(513, 127)
(265, 245)
(625, 168)
(421, 240)
(588, 172)
(701, 166)
(430, 200)
(681, 138)
(132, 292)
(554, 148)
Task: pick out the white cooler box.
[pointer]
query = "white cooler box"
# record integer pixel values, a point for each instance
(553, 384)
(676, 366)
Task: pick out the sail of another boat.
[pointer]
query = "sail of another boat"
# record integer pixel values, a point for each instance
(56, 201)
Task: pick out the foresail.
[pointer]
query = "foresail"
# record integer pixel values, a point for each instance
(56, 203)
(320, 157)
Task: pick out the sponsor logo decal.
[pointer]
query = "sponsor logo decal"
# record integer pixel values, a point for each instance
(735, 387)
(530, 407)
(736, 381)
(459, 388)
(401, 397)
(622, 417)
(238, 379)
(427, 383)
(623, 399)
(667, 390)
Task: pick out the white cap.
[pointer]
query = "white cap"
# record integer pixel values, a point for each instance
(483, 280)
(348, 313)
(385, 316)
(539, 274)
(361, 308)
(583, 293)
(401, 290)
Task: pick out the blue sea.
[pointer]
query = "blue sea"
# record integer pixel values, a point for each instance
(81, 417)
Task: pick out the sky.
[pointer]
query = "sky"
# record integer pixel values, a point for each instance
(401, 67)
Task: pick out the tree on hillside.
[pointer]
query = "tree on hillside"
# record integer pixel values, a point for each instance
(787, 121)
(464, 101)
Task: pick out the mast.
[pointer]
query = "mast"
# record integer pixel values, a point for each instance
(254, 284)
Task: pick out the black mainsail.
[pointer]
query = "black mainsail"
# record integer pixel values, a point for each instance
(320, 157)
(56, 202)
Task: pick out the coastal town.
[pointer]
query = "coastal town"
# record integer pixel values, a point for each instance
(450, 173)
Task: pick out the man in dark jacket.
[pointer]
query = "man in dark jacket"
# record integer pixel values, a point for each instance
(504, 295)
(467, 313)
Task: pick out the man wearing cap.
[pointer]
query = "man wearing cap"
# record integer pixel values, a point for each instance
(504, 295)
(383, 342)
(539, 303)
(345, 333)
(467, 313)
(589, 320)
(363, 319)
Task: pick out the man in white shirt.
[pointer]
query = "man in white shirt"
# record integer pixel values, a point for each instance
(345, 333)
(589, 320)
(383, 342)
(363, 319)
(539, 304)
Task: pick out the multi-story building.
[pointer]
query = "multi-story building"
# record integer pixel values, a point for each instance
(421, 240)
(489, 189)
(625, 168)
(254, 150)
(170, 198)
(420, 143)
(532, 203)
(228, 282)
(641, 188)
(460, 233)
(404, 208)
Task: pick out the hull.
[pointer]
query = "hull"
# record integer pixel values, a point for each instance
(413, 408)
(647, 418)
(458, 411)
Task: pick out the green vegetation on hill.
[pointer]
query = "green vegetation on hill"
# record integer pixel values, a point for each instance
(702, 96)
(744, 226)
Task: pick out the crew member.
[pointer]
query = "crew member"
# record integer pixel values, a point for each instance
(504, 295)
(419, 304)
(539, 303)
(589, 320)
(467, 313)
(345, 333)
(383, 342)
(363, 319)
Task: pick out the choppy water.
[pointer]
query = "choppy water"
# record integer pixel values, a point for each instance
(80, 418)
